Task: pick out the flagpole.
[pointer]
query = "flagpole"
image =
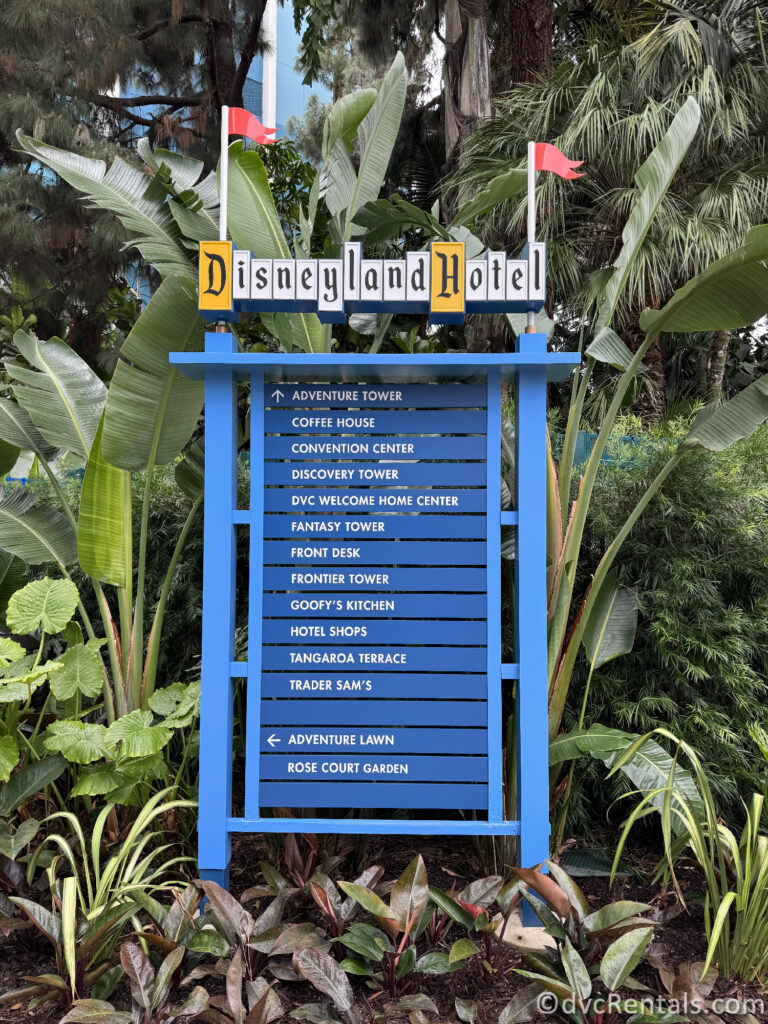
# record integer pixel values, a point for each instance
(531, 326)
(223, 174)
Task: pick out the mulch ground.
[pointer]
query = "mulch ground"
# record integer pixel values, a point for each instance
(680, 936)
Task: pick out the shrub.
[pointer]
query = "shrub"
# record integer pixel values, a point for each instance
(699, 563)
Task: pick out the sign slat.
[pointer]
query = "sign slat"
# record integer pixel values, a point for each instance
(374, 794)
(374, 552)
(379, 606)
(383, 580)
(367, 712)
(352, 396)
(285, 421)
(387, 659)
(374, 768)
(396, 526)
(374, 474)
(396, 740)
(391, 631)
(394, 686)
(377, 499)
(458, 449)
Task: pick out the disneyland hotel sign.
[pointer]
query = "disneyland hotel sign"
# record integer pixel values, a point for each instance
(439, 281)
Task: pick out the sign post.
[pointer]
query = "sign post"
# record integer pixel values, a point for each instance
(374, 670)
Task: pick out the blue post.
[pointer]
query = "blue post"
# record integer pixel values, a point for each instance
(215, 785)
(493, 561)
(255, 600)
(531, 611)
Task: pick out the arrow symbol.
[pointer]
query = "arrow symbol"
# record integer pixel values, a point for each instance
(272, 740)
(277, 394)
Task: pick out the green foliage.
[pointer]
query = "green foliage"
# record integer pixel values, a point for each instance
(735, 868)
(150, 993)
(590, 946)
(699, 662)
(95, 897)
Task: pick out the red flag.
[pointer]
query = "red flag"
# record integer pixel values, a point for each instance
(549, 158)
(243, 122)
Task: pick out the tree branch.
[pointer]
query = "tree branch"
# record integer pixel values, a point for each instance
(152, 29)
(153, 101)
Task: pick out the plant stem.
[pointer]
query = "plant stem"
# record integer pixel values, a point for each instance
(153, 646)
(137, 638)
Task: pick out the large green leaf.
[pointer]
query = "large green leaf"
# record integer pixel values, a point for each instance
(649, 768)
(104, 523)
(719, 426)
(9, 757)
(13, 576)
(17, 428)
(35, 534)
(62, 395)
(731, 292)
(136, 734)
(502, 187)
(376, 135)
(253, 220)
(345, 116)
(46, 604)
(190, 472)
(388, 218)
(9, 453)
(653, 179)
(79, 742)
(82, 671)
(623, 956)
(607, 347)
(33, 778)
(255, 225)
(612, 624)
(322, 971)
(410, 894)
(152, 408)
(121, 190)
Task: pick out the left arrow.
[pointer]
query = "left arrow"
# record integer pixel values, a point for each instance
(272, 740)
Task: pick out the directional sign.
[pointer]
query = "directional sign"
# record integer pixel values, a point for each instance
(319, 421)
(391, 449)
(374, 396)
(374, 554)
(374, 499)
(391, 526)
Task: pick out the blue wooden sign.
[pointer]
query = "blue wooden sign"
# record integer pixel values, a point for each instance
(374, 671)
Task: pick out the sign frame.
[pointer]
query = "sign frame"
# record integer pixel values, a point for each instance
(528, 369)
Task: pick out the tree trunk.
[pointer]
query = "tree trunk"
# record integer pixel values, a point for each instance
(522, 50)
(466, 72)
(220, 50)
(717, 357)
(651, 395)
(702, 372)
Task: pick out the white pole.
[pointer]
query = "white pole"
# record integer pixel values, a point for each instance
(531, 326)
(223, 174)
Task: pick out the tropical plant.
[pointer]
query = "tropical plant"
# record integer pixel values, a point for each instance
(622, 70)
(735, 868)
(590, 946)
(700, 661)
(129, 749)
(90, 906)
(150, 994)
(265, 941)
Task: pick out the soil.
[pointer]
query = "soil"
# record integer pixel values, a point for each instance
(679, 937)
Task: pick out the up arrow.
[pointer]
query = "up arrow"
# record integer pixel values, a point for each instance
(277, 394)
(272, 740)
